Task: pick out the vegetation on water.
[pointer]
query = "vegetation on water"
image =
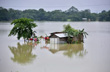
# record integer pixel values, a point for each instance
(71, 32)
(22, 28)
(72, 14)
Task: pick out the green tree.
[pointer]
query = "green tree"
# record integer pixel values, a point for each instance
(41, 14)
(108, 16)
(14, 14)
(22, 28)
(4, 14)
(104, 16)
(72, 14)
(72, 9)
(77, 34)
(70, 32)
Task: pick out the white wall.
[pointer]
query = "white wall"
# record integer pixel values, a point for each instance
(54, 40)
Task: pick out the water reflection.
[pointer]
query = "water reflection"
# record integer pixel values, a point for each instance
(23, 53)
(68, 49)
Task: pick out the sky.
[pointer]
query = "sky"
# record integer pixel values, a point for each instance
(50, 5)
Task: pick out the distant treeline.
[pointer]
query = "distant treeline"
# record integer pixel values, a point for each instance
(72, 14)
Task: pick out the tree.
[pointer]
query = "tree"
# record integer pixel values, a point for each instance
(108, 16)
(104, 16)
(4, 14)
(72, 9)
(41, 14)
(72, 14)
(14, 14)
(86, 14)
(22, 28)
(71, 32)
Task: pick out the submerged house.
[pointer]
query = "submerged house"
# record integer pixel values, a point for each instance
(58, 37)
(62, 37)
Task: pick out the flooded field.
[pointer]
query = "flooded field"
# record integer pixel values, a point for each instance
(90, 56)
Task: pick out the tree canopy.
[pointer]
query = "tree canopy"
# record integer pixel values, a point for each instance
(71, 32)
(71, 14)
(22, 28)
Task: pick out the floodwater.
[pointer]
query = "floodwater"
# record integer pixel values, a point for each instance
(91, 56)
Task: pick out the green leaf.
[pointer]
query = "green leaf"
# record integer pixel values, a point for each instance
(22, 28)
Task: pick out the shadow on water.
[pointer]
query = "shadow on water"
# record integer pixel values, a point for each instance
(22, 53)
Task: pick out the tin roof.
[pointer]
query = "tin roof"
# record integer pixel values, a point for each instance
(62, 35)
(59, 34)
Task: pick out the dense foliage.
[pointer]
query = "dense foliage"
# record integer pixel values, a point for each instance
(72, 14)
(22, 28)
(71, 32)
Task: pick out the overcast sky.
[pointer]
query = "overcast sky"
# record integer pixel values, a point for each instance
(49, 5)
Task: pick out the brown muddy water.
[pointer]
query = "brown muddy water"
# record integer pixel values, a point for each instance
(91, 56)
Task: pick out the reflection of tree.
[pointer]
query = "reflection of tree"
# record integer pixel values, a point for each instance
(69, 49)
(75, 49)
(22, 53)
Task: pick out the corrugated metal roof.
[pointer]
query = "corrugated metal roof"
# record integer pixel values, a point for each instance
(61, 35)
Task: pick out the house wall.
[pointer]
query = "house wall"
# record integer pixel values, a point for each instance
(63, 40)
(54, 40)
(57, 40)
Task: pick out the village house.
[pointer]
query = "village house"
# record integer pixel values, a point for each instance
(58, 37)
(62, 37)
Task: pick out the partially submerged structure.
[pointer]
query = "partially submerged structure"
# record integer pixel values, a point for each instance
(62, 37)
(58, 37)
